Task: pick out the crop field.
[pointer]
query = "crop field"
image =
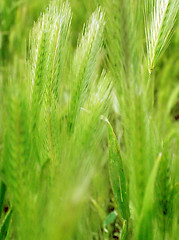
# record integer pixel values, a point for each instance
(89, 120)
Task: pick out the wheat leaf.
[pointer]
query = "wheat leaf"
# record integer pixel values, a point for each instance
(2, 196)
(124, 231)
(145, 219)
(117, 175)
(5, 225)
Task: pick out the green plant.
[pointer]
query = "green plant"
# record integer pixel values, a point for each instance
(59, 179)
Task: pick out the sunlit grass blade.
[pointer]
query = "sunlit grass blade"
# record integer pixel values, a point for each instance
(145, 221)
(5, 225)
(124, 231)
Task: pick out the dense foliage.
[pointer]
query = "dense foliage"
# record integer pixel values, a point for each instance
(89, 131)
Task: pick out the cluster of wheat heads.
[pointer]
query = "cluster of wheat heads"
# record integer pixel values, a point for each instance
(53, 126)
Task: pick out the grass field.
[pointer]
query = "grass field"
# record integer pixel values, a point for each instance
(89, 120)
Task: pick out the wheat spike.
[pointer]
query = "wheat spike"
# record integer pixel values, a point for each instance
(159, 28)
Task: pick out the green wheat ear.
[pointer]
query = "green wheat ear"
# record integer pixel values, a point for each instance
(159, 28)
(48, 53)
(85, 63)
(48, 43)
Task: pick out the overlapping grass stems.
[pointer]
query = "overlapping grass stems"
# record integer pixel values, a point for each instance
(54, 177)
(135, 93)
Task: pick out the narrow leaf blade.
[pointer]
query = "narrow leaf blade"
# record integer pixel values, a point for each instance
(2, 196)
(5, 225)
(117, 176)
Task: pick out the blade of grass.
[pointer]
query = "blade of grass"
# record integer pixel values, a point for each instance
(117, 175)
(2, 196)
(5, 225)
(146, 218)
